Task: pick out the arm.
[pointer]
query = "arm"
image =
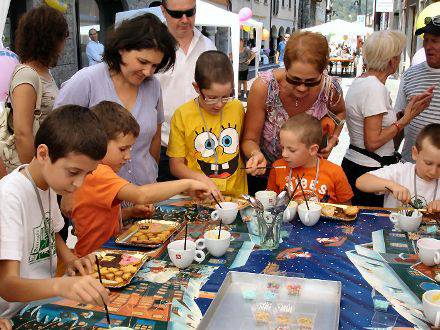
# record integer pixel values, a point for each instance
(373, 184)
(5, 324)
(155, 144)
(24, 99)
(93, 52)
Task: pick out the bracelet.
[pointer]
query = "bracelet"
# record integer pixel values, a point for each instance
(398, 126)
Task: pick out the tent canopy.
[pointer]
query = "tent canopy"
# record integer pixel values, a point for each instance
(341, 27)
(4, 6)
(207, 15)
(258, 26)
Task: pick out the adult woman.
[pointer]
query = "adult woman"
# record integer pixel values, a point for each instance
(302, 86)
(371, 121)
(133, 53)
(40, 39)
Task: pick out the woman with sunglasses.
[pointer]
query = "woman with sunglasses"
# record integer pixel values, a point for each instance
(302, 86)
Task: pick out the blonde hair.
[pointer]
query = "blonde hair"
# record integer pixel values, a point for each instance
(308, 129)
(381, 47)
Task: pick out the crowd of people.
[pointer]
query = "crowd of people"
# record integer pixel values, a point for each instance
(158, 106)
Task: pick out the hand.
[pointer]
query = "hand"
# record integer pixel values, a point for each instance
(257, 160)
(66, 205)
(434, 207)
(83, 265)
(417, 104)
(5, 324)
(400, 193)
(212, 188)
(83, 289)
(331, 143)
(139, 211)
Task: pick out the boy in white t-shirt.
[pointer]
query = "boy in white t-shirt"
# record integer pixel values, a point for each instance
(68, 146)
(407, 180)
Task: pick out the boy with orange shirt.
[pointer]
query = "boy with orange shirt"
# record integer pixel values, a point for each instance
(96, 209)
(300, 137)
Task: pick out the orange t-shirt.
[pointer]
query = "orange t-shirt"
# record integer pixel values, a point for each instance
(95, 212)
(331, 180)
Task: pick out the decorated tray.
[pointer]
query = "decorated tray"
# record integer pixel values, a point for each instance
(241, 202)
(148, 233)
(118, 267)
(339, 212)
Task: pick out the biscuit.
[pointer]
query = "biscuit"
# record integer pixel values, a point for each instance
(351, 211)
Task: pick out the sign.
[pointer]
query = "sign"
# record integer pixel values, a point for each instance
(384, 6)
(361, 20)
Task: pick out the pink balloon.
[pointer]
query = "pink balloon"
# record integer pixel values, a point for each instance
(244, 14)
(8, 62)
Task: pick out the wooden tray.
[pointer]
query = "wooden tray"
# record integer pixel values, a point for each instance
(339, 213)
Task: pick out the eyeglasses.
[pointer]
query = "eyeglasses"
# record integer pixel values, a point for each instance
(435, 20)
(298, 82)
(179, 13)
(215, 100)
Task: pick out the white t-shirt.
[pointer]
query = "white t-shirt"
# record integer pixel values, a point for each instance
(367, 97)
(22, 234)
(403, 174)
(176, 84)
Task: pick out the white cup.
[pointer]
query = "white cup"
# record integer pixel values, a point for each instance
(290, 211)
(407, 223)
(309, 217)
(217, 247)
(431, 309)
(182, 258)
(266, 197)
(228, 212)
(429, 251)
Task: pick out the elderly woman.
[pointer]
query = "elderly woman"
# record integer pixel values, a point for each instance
(371, 121)
(302, 86)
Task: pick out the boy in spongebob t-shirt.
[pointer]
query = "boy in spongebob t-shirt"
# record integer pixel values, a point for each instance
(205, 132)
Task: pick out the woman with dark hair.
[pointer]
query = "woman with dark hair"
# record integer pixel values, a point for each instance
(40, 38)
(134, 51)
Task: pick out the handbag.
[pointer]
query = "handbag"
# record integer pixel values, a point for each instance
(382, 160)
(8, 149)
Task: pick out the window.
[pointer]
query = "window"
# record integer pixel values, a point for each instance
(283, 3)
(290, 4)
(88, 18)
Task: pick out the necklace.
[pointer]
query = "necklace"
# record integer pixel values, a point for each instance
(296, 102)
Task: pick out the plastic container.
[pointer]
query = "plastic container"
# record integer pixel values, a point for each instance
(262, 312)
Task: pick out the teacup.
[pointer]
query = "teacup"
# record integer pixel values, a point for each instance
(309, 216)
(182, 258)
(216, 246)
(407, 223)
(266, 197)
(429, 251)
(228, 212)
(431, 308)
(290, 211)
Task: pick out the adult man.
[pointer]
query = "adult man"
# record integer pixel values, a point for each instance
(177, 83)
(94, 49)
(417, 79)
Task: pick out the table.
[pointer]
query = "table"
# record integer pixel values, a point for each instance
(183, 299)
(346, 63)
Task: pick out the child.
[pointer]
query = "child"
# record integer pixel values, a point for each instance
(300, 137)
(96, 205)
(68, 145)
(205, 132)
(407, 180)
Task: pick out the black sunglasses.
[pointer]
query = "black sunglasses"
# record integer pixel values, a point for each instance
(297, 82)
(180, 13)
(435, 20)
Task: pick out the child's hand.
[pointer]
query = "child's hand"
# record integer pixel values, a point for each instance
(199, 189)
(141, 211)
(83, 289)
(434, 207)
(83, 265)
(211, 188)
(257, 160)
(5, 324)
(400, 193)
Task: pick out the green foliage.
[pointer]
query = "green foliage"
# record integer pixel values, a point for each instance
(348, 9)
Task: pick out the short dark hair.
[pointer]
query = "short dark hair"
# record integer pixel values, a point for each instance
(431, 132)
(308, 129)
(115, 119)
(142, 32)
(213, 66)
(72, 128)
(39, 34)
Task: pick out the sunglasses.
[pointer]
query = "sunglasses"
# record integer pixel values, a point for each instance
(215, 100)
(435, 20)
(180, 13)
(298, 82)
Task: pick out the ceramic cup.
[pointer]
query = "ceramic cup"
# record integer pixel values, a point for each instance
(183, 258)
(431, 307)
(429, 251)
(309, 217)
(407, 223)
(217, 247)
(266, 197)
(228, 212)
(290, 211)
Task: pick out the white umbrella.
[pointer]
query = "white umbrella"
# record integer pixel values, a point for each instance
(341, 27)
(4, 6)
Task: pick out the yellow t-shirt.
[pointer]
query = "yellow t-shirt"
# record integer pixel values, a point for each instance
(190, 139)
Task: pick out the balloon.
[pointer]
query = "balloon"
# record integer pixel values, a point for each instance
(430, 11)
(8, 62)
(265, 35)
(246, 28)
(244, 14)
(57, 4)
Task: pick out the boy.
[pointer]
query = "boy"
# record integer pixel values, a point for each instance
(400, 182)
(68, 145)
(96, 205)
(205, 132)
(300, 137)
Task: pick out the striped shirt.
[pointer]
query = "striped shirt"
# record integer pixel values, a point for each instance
(415, 81)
